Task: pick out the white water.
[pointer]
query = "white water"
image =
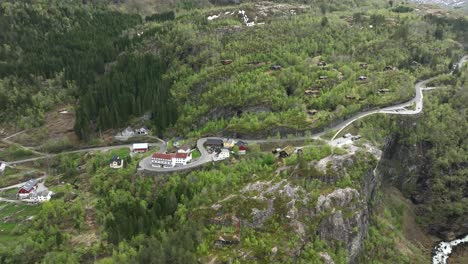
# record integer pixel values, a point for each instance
(444, 249)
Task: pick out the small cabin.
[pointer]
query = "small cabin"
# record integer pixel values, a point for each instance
(142, 131)
(241, 143)
(116, 162)
(28, 188)
(382, 91)
(312, 112)
(286, 152)
(363, 65)
(323, 77)
(321, 64)
(275, 67)
(362, 78)
(242, 150)
(350, 97)
(226, 62)
(311, 92)
(229, 143)
(390, 68)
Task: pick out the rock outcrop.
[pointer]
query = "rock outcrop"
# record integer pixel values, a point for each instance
(346, 221)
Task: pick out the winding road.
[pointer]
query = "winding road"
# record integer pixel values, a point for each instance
(400, 109)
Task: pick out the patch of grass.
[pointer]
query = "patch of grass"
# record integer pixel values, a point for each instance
(13, 215)
(16, 152)
(57, 145)
(196, 154)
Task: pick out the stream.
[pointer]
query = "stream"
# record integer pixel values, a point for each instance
(443, 250)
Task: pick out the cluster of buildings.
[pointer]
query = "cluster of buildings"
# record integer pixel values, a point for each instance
(168, 160)
(117, 162)
(30, 192)
(223, 148)
(129, 132)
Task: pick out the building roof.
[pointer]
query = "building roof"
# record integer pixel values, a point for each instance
(140, 146)
(116, 159)
(29, 185)
(163, 156)
(288, 150)
(185, 147)
(241, 143)
(212, 141)
(243, 147)
(230, 141)
(181, 155)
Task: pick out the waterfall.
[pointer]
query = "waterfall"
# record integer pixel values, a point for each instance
(443, 250)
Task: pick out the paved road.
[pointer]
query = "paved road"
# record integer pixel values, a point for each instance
(145, 164)
(399, 109)
(20, 184)
(161, 146)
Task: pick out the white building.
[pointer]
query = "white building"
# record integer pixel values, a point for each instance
(222, 155)
(142, 131)
(40, 197)
(128, 132)
(182, 158)
(140, 147)
(2, 167)
(116, 162)
(184, 149)
(163, 160)
(229, 143)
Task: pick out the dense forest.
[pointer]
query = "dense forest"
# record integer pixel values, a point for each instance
(50, 53)
(134, 86)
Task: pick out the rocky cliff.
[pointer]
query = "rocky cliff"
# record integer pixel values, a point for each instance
(295, 217)
(409, 168)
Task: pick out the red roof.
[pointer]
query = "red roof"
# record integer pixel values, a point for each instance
(181, 155)
(163, 156)
(242, 148)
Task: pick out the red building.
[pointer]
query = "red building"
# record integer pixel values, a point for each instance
(242, 150)
(140, 147)
(27, 188)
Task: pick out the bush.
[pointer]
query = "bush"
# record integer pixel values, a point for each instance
(164, 16)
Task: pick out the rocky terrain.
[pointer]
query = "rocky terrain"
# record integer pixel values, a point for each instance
(282, 209)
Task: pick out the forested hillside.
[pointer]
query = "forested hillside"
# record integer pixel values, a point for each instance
(83, 53)
(50, 53)
(220, 81)
(436, 147)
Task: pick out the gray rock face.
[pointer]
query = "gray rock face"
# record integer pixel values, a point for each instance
(347, 221)
(338, 198)
(326, 258)
(346, 217)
